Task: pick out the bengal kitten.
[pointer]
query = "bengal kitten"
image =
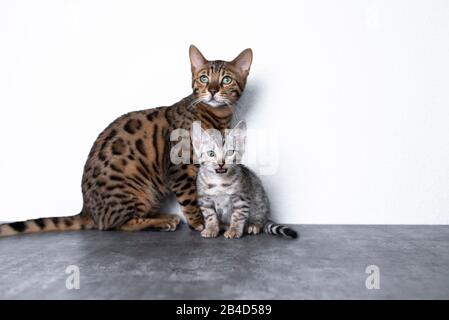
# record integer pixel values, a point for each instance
(128, 172)
(230, 195)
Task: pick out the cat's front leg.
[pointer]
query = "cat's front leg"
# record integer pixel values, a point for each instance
(212, 225)
(238, 220)
(183, 184)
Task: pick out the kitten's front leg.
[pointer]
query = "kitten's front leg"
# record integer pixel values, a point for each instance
(237, 225)
(211, 222)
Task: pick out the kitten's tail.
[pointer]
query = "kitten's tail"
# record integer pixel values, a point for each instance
(277, 229)
(77, 222)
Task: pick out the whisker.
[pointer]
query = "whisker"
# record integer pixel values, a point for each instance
(193, 103)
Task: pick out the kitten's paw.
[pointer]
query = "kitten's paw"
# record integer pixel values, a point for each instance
(210, 233)
(254, 229)
(232, 234)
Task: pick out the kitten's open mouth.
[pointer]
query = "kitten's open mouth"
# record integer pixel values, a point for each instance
(221, 170)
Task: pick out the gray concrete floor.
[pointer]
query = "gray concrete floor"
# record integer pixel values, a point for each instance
(327, 262)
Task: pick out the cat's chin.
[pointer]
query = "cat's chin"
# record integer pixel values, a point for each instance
(215, 103)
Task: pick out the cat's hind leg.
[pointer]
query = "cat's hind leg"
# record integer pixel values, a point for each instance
(162, 222)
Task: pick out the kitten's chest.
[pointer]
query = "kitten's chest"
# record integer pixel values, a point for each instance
(221, 196)
(221, 193)
(223, 207)
(214, 185)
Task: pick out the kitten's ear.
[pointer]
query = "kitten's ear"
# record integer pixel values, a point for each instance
(243, 61)
(199, 136)
(239, 131)
(235, 140)
(197, 60)
(196, 138)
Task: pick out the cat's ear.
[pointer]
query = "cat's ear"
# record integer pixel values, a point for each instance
(197, 60)
(243, 61)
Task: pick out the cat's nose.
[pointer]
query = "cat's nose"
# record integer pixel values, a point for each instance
(213, 91)
(221, 165)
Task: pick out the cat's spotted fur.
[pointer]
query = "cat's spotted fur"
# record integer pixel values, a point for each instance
(128, 171)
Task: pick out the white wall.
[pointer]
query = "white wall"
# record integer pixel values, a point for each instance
(356, 93)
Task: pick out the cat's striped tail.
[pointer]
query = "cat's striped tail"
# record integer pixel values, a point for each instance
(77, 222)
(279, 230)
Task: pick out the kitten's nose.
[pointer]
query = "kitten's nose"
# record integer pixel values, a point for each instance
(213, 91)
(221, 165)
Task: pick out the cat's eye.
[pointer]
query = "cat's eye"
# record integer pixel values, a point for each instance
(226, 80)
(230, 153)
(204, 79)
(211, 153)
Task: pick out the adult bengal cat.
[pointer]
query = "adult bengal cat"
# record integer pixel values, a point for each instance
(128, 172)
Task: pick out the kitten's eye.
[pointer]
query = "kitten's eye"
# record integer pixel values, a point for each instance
(230, 153)
(204, 79)
(226, 80)
(211, 153)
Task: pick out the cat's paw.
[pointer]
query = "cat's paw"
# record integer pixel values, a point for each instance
(232, 233)
(168, 224)
(254, 229)
(210, 233)
(196, 226)
(173, 223)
